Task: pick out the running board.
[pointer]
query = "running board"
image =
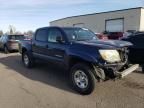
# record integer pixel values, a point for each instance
(128, 71)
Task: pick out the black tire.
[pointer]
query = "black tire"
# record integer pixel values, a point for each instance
(6, 51)
(142, 68)
(30, 62)
(90, 76)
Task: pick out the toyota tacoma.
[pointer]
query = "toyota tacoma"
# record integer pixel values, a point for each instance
(81, 53)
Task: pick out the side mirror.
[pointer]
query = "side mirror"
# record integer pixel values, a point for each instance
(59, 39)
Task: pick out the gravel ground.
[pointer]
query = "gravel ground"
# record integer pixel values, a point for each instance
(45, 86)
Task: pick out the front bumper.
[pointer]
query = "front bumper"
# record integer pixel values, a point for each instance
(127, 71)
(113, 71)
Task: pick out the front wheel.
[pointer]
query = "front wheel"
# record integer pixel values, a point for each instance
(142, 68)
(82, 78)
(27, 60)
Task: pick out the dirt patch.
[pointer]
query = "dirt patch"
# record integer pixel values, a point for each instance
(133, 84)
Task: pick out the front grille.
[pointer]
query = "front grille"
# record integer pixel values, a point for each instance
(123, 54)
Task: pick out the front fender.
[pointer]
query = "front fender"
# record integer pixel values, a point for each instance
(85, 57)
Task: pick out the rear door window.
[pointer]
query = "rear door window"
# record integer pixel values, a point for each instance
(42, 35)
(16, 37)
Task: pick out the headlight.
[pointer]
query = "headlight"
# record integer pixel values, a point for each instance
(110, 55)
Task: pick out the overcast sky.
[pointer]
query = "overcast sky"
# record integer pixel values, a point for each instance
(31, 14)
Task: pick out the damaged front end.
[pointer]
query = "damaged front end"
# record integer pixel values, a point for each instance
(117, 69)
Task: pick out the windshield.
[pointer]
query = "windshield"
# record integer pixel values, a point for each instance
(79, 34)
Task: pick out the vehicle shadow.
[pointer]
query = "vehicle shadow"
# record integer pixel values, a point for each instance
(43, 72)
(2, 51)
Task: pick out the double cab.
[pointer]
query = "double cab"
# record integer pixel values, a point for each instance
(81, 53)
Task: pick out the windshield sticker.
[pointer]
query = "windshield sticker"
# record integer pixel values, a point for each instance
(84, 29)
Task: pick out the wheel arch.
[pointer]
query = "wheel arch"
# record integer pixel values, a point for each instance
(75, 60)
(24, 50)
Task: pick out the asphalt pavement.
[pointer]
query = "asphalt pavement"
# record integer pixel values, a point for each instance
(46, 86)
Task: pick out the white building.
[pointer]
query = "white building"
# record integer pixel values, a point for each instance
(119, 20)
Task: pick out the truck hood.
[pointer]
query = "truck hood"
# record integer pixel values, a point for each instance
(106, 43)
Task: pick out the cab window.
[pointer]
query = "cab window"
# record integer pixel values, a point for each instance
(53, 34)
(41, 35)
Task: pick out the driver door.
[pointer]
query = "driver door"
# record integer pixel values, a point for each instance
(57, 50)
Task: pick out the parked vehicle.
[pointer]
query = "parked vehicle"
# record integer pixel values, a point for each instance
(27, 37)
(128, 33)
(79, 51)
(115, 35)
(101, 36)
(10, 42)
(136, 54)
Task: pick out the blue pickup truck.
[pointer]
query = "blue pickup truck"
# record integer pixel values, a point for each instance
(81, 53)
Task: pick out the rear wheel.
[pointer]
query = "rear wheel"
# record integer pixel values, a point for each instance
(82, 78)
(27, 60)
(6, 51)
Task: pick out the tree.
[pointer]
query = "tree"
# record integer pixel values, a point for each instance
(29, 33)
(11, 30)
(18, 33)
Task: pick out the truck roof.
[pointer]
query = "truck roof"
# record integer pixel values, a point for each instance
(58, 27)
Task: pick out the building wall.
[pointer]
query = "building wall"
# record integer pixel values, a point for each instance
(96, 22)
(142, 20)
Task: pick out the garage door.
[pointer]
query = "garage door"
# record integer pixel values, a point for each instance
(115, 25)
